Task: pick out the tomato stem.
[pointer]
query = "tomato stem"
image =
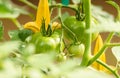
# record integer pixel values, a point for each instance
(108, 67)
(65, 27)
(102, 49)
(29, 4)
(73, 7)
(16, 22)
(106, 44)
(112, 44)
(87, 7)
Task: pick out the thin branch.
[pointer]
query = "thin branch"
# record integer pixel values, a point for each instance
(112, 44)
(16, 22)
(108, 67)
(73, 7)
(29, 4)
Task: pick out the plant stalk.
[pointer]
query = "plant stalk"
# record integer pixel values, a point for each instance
(87, 7)
(64, 26)
(108, 67)
(73, 7)
(29, 4)
(102, 49)
(112, 44)
(16, 22)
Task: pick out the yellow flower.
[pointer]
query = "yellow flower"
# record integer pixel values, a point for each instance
(42, 13)
(32, 26)
(56, 25)
(98, 46)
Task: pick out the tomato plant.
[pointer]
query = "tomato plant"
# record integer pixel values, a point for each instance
(58, 43)
(48, 44)
(76, 50)
(77, 27)
(45, 44)
(61, 57)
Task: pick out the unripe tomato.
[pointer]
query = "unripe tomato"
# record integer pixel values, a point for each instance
(45, 44)
(60, 44)
(35, 37)
(76, 50)
(77, 27)
(61, 57)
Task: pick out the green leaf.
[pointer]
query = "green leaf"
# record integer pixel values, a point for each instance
(49, 1)
(1, 31)
(100, 15)
(13, 34)
(87, 73)
(116, 52)
(76, 1)
(9, 66)
(33, 73)
(116, 6)
(8, 47)
(10, 10)
(68, 65)
(49, 31)
(41, 61)
(28, 50)
(106, 21)
(23, 34)
(106, 26)
(43, 30)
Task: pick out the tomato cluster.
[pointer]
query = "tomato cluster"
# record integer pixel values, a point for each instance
(45, 44)
(51, 40)
(77, 27)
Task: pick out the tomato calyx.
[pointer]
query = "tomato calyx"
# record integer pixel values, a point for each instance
(45, 43)
(46, 32)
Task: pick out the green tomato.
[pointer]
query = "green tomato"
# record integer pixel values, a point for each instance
(76, 50)
(77, 27)
(61, 57)
(35, 37)
(60, 44)
(45, 44)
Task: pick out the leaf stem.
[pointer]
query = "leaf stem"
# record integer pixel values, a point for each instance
(112, 44)
(29, 4)
(16, 22)
(87, 7)
(102, 49)
(64, 26)
(109, 37)
(55, 18)
(73, 7)
(108, 67)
